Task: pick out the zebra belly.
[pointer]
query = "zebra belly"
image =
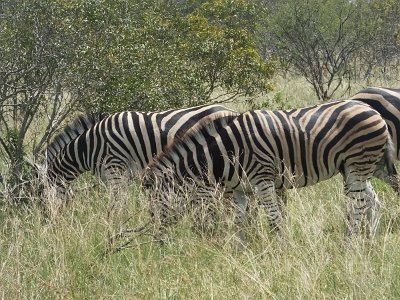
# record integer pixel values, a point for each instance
(289, 180)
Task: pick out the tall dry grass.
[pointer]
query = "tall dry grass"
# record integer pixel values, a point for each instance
(65, 258)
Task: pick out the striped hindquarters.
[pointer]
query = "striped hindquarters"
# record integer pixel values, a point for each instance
(387, 102)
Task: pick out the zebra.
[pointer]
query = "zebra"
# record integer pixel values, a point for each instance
(114, 146)
(386, 101)
(261, 152)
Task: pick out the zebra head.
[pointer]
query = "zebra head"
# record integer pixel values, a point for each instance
(155, 179)
(166, 194)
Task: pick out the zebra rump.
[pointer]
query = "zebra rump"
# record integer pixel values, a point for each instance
(387, 102)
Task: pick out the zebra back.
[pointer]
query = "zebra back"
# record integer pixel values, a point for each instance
(122, 144)
(207, 126)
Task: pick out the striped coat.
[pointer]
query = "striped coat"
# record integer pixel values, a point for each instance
(122, 144)
(387, 102)
(263, 151)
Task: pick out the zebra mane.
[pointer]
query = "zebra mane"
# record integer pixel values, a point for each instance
(70, 132)
(205, 127)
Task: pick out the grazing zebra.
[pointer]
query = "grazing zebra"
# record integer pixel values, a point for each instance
(123, 143)
(260, 152)
(387, 102)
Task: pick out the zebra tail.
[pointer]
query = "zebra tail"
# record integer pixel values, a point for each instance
(392, 177)
(389, 157)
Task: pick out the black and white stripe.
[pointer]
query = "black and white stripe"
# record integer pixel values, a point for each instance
(112, 146)
(387, 102)
(262, 151)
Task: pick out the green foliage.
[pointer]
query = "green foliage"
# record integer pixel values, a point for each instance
(147, 55)
(222, 50)
(274, 101)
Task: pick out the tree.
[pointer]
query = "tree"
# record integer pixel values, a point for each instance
(155, 55)
(221, 46)
(383, 51)
(321, 39)
(34, 59)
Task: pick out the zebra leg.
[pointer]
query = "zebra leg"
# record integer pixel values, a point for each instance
(252, 210)
(116, 178)
(394, 182)
(205, 206)
(282, 201)
(267, 198)
(363, 206)
(372, 211)
(389, 176)
(241, 203)
(53, 198)
(168, 202)
(163, 214)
